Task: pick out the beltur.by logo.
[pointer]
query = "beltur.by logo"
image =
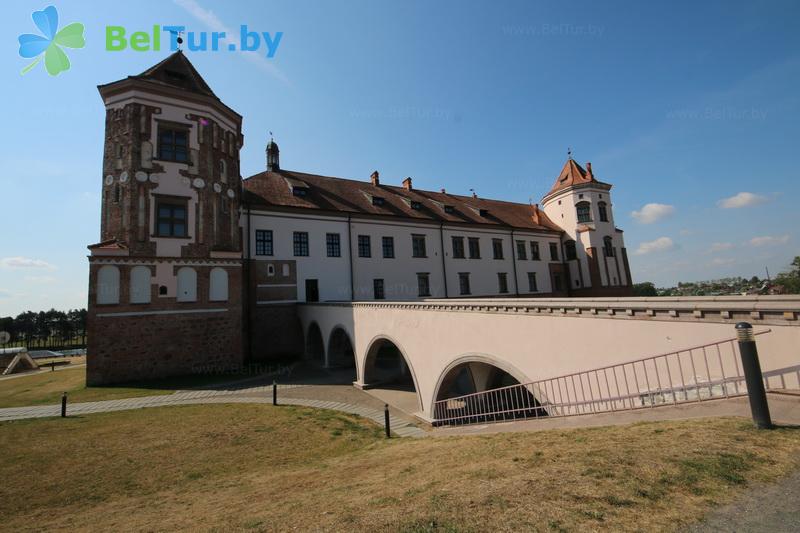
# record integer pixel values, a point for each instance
(48, 45)
(118, 39)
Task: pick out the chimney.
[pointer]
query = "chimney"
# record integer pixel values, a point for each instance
(444, 191)
(407, 184)
(589, 169)
(474, 194)
(375, 178)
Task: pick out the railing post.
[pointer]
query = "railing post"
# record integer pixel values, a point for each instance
(752, 375)
(64, 405)
(386, 421)
(274, 392)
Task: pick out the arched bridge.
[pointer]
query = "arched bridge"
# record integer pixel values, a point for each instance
(444, 349)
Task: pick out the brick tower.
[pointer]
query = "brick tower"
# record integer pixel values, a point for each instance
(165, 280)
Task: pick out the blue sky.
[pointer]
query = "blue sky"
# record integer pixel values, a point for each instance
(690, 109)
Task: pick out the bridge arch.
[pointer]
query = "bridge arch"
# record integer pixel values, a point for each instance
(387, 364)
(315, 345)
(341, 352)
(475, 372)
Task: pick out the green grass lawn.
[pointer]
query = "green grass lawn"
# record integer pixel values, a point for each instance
(46, 387)
(258, 467)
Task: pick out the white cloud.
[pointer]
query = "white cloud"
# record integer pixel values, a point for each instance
(661, 244)
(40, 279)
(743, 199)
(25, 262)
(210, 19)
(769, 240)
(653, 213)
(721, 246)
(720, 261)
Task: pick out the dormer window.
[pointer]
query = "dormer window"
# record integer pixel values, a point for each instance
(378, 200)
(484, 212)
(449, 209)
(416, 205)
(302, 192)
(584, 212)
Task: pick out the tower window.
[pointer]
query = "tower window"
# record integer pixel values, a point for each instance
(584, 212)
(608, 247)
(173, 145)
(171, 219)
(601, 207)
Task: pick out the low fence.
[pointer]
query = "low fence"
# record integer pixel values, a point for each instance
(695, 374)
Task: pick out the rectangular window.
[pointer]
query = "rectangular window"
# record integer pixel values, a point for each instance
(333, 244)
(584, 212)
(522, 252)
(497, 248)
(301, 243)
(502, 282)
(263, 242)
(171, 219)
(553, 251)
(173, 145)
(418, 246)
(377, 289)
(364, 246)
(474, 248)
(535, 251)
(387, 244)
(424, 284)
(557, 282)
(463, 283)
(532, 282)
(458, 247)
(603, 213)
(570, 252)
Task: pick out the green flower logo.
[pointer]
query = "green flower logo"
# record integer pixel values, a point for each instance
(55, 60)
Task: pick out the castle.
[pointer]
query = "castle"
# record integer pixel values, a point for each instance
(198, 268)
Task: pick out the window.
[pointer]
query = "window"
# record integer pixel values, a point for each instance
(553, 251)
(173, 145)
(263, 242)
(458, 247)
(300, 192)
(424, 284)
(224, 206)
(522, 252)
(583, 210)
(108, 285)
(608, 247)
(474, 248)
(532, 282)
(218, 285)
(449, 209)
(388, 247)
(569, 251)
(117, 194)
(223, 171)
(187, 285)
(171, 219)
(301, 244)
(463, 283)
(502, 282)
(364, 246)
(333, 245)
(378, 200)
(140, 285)
(497, 248)
(416, 205)
(377, 289)
(418, 246)
(535, 251)
(601, 207)
(557, 282)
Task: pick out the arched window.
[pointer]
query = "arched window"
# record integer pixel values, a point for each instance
(108, 285)
(569, 250)
(608, 247)
(584, 212)
(187, 285)
(140, 285)
(601, 208)
(218, 285)
(223, 171)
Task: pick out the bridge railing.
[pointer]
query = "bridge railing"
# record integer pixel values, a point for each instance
(694, 374)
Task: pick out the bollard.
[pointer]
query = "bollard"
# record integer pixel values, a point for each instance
(274, 392)
(64, 405)
(386, 420)
(752, 375)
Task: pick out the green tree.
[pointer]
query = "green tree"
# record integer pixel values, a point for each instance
(646, 288)
(790, 281)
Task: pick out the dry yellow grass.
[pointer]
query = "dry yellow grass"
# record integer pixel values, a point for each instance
(255, 467)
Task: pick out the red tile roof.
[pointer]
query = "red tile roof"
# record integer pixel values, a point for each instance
(330, 194)
(573, 174)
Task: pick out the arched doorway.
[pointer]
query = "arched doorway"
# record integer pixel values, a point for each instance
(315, 347)
(341, 355)
(387, 372)
(476, 391)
